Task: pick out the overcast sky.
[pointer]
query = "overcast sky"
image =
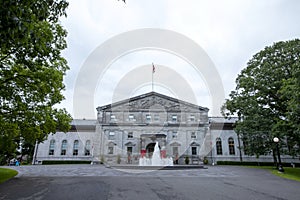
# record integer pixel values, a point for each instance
(230, 32)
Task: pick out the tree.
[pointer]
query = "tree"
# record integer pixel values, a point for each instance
(32, 70)
(266, 99)
(291, 92)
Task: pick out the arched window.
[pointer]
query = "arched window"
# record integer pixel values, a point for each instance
(75, 148)
(87, 149)
(219, 146)
(51, 147)
(231, 146)
(63, 147)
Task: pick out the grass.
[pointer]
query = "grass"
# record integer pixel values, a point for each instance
(289, 173)
(6, 174)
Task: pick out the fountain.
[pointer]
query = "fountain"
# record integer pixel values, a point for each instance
(156, 159)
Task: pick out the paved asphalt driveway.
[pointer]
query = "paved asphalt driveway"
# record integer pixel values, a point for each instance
(98, 182)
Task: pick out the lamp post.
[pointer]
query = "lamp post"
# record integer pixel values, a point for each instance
(280, 168)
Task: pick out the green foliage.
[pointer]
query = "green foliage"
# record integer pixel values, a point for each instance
(6, 174)
(289, 173)
(205, 161)
(187, 160)
(266, 100)
(102, 159)
(31, 72)
(244, 163)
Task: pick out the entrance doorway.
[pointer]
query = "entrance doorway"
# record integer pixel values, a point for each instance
(150, 149)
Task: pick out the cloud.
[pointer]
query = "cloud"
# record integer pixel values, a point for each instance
(231, 32)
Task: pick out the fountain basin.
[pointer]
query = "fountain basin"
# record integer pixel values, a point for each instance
(174, 167)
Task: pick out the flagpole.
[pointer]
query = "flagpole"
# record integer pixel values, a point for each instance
(153, 70)
(152, 81)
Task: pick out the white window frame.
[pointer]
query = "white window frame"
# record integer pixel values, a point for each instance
(174, 118)
(193, 135)
(148, 118)
(192, 118)
(174, 134)
(52, 147)
(113, 118)
(111, 135)
(75, 147)
(87, 148)
(110, 150)
(130, 135)
(64, 147)
(131, 117)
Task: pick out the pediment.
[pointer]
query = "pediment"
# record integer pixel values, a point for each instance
(194, 144)
(153, 101)
(129, 144)
(111, 144)
(174, 144)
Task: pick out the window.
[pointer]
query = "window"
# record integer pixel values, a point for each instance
(175, 151)
(192, 118)
(193, 135)
(112, 118)
(131, 118)
(174, 118)
(156, 117)
(174, 134)
(148, 118)
(63, 147)
(130, 135)
(87, 149)
(219, 146)
(111, 136)
(194, 150)
(231, 146)
(51, 147)
(110, 150)
(75, 148)
(129, 150)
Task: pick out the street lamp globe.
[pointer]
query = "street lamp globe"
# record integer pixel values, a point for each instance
(276, 139)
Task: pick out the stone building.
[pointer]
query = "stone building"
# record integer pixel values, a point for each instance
(129, 129)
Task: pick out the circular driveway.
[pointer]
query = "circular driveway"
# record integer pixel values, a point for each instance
(100, 182)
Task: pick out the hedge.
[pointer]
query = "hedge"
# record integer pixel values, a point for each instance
(254, 163)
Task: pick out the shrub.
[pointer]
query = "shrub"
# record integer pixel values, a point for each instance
(205, 161)
(254, 163)
(187, 160)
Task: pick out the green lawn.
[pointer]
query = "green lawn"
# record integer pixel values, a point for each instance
(289, 173)
(6, 174)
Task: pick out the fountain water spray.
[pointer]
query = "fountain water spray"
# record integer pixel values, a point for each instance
(156, 159)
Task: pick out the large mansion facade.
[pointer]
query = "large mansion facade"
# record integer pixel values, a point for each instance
(127, 130)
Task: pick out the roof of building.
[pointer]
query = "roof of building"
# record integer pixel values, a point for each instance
(132, 99)
(222, 120)
(83, 124)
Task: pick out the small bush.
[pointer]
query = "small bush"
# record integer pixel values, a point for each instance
(205, 161)
(187, 160)
(102, 159)
(254, 163)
